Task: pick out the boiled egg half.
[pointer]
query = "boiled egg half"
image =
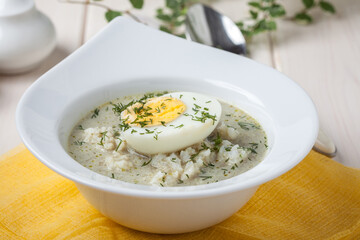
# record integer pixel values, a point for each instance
(170, 122)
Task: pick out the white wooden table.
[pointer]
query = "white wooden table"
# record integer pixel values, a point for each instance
(323, 58)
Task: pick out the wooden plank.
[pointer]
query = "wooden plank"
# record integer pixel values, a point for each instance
(324, 59)
(67, 19)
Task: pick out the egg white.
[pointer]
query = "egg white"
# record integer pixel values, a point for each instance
(180, 133)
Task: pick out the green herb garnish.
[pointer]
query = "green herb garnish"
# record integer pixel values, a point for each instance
(95, 113)
(217, 142)
(247, 126)
(103, 135)
(79, 143)
(196, 106)
(148, 131)
(118, 144)
(228, 149)
(205, 177)
(146, 163)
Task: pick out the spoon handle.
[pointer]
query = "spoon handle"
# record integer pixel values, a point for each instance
(324, 145)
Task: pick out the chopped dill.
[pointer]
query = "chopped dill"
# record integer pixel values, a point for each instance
(124, 126)
(79, 143)
(117, 147)
(217, 142)
(231, 127)
(205, 177)
(148, 131)
(103, 135)
(203, 146)
(156, 135)
(193, 156)
(95, 113)
(252, 150)
(196, 106)
(228, 149)
(146, 163)
(246, 126)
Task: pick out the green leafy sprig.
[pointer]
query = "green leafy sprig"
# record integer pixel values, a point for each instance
(110, 13)
(263, 14)
(304, 16)
(173, 15)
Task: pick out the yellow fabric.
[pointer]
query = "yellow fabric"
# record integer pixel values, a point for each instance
(318, 199)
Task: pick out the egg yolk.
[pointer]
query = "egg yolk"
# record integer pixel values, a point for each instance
(155, 111)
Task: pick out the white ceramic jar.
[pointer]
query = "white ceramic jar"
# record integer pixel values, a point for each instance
(27, 36)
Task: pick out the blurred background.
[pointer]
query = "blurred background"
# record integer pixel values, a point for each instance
(323, 57)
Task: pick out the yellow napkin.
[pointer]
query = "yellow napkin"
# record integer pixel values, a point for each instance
(318, 199)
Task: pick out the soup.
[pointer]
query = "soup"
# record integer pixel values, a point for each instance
(168, 139)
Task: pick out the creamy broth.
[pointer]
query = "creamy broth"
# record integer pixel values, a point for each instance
(237, 144)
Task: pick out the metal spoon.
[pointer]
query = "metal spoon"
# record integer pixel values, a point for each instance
(209, 27)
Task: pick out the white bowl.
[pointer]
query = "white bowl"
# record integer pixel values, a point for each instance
(126, 58)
